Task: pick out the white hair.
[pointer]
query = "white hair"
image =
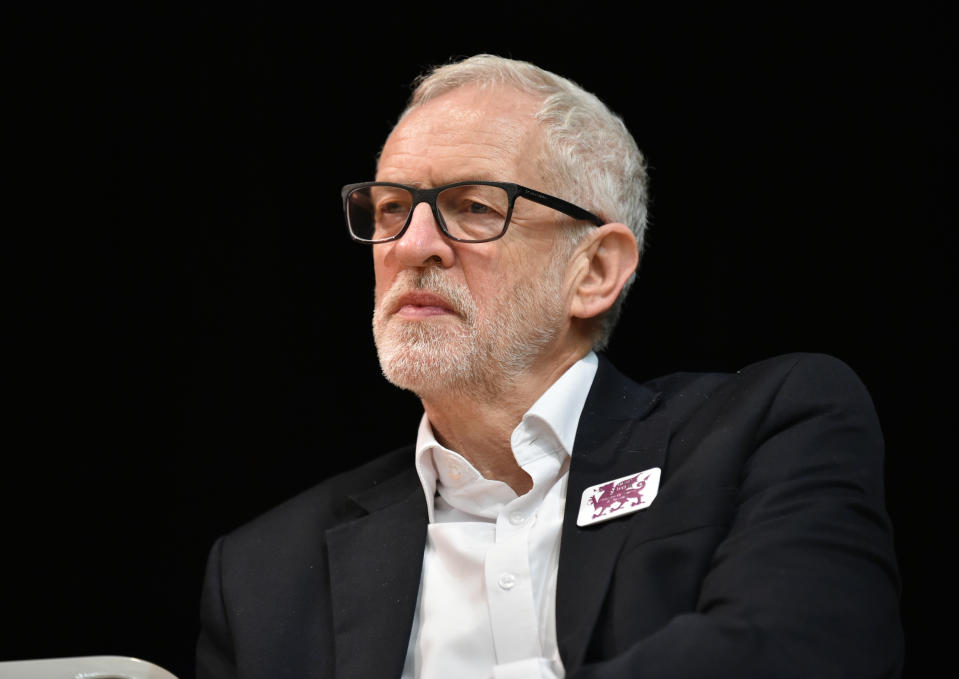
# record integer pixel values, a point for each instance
(591, 158)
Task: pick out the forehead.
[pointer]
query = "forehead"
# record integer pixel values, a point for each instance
(468, 133)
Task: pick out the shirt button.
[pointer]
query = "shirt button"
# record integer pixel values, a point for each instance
(507, 580)
(517, 518)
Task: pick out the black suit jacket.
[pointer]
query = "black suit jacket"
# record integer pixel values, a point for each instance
(767, 553)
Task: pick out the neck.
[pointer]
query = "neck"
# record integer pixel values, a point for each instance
(479, 427)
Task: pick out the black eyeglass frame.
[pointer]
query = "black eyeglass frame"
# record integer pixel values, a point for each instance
(428, 196)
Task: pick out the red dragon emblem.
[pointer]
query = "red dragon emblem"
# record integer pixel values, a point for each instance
(615, 495)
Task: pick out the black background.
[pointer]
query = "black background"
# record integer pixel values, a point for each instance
(189, 322)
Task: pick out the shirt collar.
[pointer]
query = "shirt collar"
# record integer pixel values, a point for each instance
(557, 410)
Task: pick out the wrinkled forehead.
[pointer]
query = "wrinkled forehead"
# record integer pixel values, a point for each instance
(467, 133)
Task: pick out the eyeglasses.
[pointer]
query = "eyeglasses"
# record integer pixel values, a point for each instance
(467, 212)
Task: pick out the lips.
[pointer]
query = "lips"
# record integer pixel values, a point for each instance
(420, 304)
(424, 295)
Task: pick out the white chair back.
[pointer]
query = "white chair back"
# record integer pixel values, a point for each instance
(83, 667)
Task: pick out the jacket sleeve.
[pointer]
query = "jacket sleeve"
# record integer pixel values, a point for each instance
(804, 583)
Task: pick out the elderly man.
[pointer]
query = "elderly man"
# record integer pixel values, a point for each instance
(555, 518)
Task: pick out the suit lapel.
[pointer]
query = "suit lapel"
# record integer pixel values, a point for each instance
(375, 566)
(614, 439)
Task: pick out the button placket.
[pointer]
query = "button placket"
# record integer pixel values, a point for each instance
(512, 609)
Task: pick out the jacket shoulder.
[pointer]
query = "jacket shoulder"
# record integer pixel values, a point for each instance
(805, 370)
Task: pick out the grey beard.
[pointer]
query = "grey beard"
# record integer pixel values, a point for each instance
(478, 358)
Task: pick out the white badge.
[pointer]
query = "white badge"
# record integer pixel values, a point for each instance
(618, 497)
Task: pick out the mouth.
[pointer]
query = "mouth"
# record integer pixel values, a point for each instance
(422, 304)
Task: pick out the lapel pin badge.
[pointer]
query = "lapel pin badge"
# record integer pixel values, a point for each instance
(618, 497)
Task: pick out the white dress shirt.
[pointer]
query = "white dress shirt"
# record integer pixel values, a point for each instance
(487, 599)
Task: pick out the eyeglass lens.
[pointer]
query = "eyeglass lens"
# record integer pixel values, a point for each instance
(470, 212)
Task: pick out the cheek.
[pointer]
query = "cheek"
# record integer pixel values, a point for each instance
(490, 291)
(383, 277)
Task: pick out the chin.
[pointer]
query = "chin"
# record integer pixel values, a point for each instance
(479, 359)
(422, 359)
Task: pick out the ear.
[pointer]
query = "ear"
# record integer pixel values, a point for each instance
(606, 260)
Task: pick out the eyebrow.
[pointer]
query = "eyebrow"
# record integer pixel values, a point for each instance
(452, 179)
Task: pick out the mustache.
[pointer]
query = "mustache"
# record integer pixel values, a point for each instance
(433, 281)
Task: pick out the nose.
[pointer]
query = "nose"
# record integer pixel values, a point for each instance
(423, 242)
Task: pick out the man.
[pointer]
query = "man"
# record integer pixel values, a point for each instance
(555, 518)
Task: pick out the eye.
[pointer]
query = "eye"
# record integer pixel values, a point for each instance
(478, 208)
(391, 203)
(392, 207)
(475, 201)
